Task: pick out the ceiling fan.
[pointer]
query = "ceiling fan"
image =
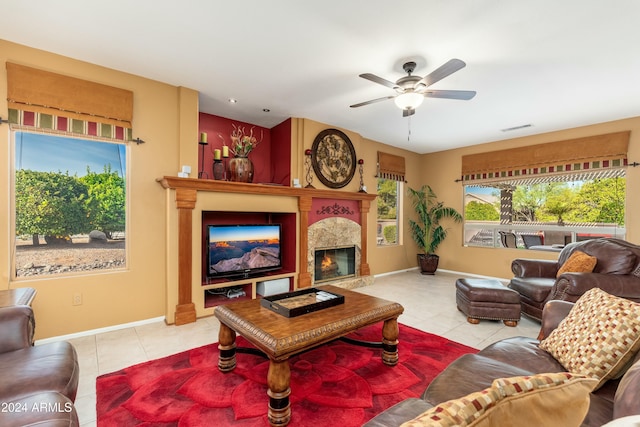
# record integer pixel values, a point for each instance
(411, 90)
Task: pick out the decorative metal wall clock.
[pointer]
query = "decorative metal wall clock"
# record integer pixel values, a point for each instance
(333, 158)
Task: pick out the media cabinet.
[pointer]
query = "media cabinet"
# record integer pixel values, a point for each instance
(188, 201)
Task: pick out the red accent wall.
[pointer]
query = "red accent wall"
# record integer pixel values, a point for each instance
(328, 208)
(281, 153)
(217, 127)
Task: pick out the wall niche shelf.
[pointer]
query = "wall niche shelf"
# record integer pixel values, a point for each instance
(249, 286)
(184, 193)
(288, 225)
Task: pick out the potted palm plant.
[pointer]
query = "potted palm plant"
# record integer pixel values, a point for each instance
(427, 231)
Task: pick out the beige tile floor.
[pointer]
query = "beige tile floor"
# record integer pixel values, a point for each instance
(429, 303)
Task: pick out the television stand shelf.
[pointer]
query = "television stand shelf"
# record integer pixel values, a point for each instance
(226, 295)
(248, 286)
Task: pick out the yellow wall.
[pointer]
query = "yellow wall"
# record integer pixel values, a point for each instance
(139, 292)
(440, 170)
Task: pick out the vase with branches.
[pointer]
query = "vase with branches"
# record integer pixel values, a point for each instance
(427, 231)
(240, 167)
(243, 142)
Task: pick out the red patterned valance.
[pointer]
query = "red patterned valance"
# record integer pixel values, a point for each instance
(45, 100)
(603, 155)
(577, 171)
(67, 125)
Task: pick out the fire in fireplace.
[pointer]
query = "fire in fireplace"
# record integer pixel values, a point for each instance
(334, 263)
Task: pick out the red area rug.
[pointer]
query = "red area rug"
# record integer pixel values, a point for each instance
(335, 384)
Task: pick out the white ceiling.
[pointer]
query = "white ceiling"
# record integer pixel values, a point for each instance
(553, 64)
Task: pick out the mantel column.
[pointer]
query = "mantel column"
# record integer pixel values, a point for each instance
(304, 205)
(185, 202)
(364, 211)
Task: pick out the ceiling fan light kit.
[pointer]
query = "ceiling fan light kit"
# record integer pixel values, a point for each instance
(411, 90)
(409, 100)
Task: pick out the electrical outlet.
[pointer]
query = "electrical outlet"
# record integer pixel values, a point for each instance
(77, 298)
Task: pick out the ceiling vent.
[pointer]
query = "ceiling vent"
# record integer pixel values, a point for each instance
(517, 127)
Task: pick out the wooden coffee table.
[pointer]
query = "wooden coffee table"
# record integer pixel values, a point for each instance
(279, 337)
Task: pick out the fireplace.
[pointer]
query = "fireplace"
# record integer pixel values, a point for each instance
(334, 263)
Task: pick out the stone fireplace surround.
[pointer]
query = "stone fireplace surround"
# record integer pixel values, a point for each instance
(182, 193)
(332, 233)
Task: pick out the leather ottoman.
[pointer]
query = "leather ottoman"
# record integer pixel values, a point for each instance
(487, 299)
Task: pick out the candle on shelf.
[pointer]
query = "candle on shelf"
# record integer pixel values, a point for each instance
(203, 137)
(216, 154)
(225, 151)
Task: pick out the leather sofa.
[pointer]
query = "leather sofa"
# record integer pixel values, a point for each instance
(511, 357)
(39, 383)
(617, 272)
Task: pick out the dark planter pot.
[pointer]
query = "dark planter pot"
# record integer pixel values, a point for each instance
(428, 263)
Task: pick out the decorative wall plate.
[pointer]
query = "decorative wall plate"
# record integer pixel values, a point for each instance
(333, 158)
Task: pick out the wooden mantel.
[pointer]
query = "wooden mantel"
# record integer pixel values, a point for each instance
(186, 196)
(173, 182)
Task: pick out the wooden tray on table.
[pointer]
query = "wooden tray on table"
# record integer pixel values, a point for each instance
(292, 304)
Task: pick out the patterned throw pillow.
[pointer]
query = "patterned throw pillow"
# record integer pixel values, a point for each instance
(636, 271)
(540, 400)
(578, 262)
(459, 412)
(598, 337)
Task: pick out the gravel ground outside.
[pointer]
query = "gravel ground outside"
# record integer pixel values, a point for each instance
(81, 255)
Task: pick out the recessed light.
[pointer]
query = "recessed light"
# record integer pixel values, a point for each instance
(233, 101)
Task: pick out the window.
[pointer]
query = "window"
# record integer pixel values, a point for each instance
(545, 215)
(546, 195)
(69, 201)
(388, 204)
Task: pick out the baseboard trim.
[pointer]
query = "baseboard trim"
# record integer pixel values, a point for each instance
(391, 273)
(100, 330)
(458, 273)
(464, 274)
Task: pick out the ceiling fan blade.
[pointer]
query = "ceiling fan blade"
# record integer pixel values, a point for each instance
(373, 101)
(448, 68)
(464, 95)
(408, 112)
(379, 80)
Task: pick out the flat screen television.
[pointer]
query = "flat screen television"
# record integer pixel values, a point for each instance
(243, 250)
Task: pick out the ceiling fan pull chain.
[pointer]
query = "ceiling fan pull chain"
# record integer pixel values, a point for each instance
(409, 126)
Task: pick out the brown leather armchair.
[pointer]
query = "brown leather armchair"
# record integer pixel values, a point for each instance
(39, 383)
(617, 272)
